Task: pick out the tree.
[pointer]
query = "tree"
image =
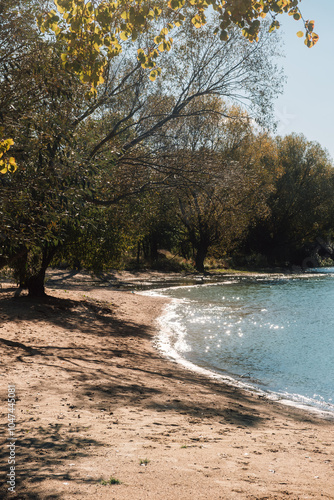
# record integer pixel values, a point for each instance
(220, 187)
(36, 102)
(300, 205)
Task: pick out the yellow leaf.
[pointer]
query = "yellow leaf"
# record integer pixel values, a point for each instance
(123, 36)
(197, 21)
(59, 8)
(153, 75)
(315, 38)
(300, 34)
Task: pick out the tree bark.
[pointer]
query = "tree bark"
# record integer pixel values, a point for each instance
(35, 282)
(154, 248)
(201, 252)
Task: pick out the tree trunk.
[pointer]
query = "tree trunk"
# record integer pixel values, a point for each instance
(35, 284)
(154, 248)
(201, 251)
(138, 253)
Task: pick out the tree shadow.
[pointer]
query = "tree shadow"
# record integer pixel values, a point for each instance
(134, 280)
(85, 315)
(37, 455)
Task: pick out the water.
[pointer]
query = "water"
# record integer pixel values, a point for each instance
(274, 334)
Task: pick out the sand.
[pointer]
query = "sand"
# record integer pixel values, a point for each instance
(95, 400)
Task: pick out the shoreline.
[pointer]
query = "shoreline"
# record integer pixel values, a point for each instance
(162, 343)
(95, 399)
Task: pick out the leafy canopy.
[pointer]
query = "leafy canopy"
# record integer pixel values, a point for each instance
(93, 32)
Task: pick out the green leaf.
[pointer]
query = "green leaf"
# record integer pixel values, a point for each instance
(140, 20)
(223, 35)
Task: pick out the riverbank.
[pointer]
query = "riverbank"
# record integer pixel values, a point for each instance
(95, 400)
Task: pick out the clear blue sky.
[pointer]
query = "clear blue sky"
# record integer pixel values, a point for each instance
(307, 105)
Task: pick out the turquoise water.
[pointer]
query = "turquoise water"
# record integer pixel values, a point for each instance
(275, 334)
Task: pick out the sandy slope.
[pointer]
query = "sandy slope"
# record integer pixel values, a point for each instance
(95, 399)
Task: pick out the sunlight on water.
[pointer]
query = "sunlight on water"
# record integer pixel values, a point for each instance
(276, 334)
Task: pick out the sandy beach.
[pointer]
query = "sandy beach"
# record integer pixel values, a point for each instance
(94, 399)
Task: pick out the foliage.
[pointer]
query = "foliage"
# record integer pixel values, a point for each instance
(38, 103)
(144, 461)
(6, 165)
(301, 205)
(94, 32)
(228, 186)
(100, 241)
(112, 480)
(17, 31)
